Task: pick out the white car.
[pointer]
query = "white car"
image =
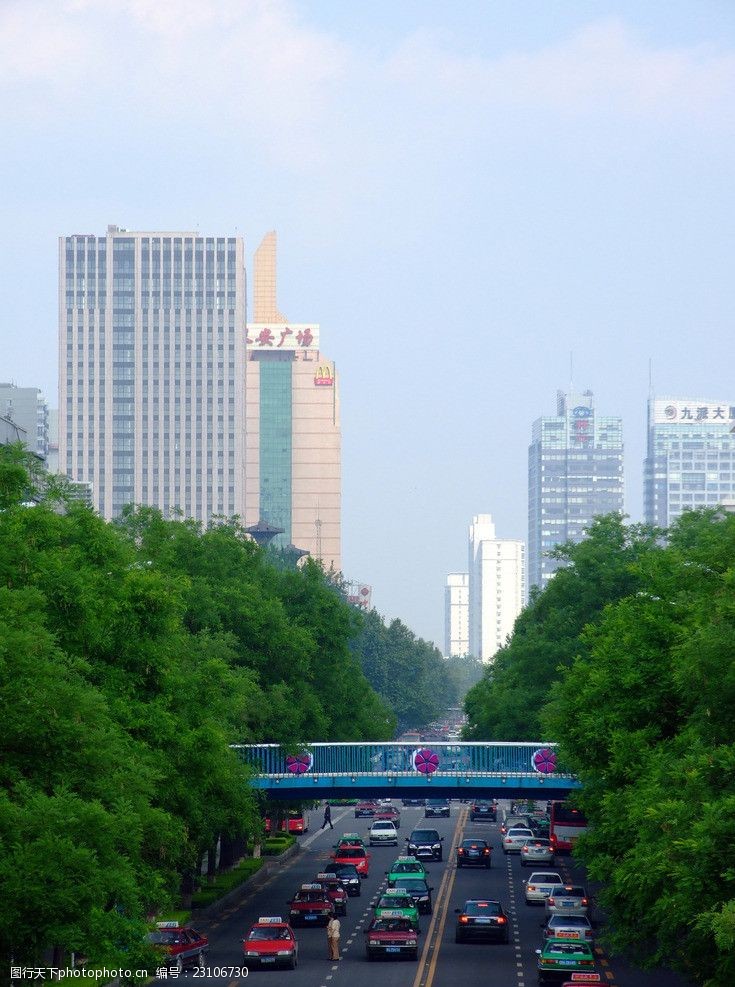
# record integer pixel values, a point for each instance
(383, 832)
(539, 885)
(515, 838)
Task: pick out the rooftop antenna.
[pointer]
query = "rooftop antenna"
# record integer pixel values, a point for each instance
(571, 371)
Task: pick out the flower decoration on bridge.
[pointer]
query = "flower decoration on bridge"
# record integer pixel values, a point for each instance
(425, 761)
(544, 761)
(299, 764)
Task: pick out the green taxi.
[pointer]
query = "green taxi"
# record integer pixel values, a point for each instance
(349, 839)
(406, 867)
(561, 957)
(397, 903)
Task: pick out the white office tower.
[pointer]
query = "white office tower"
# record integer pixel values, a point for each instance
(457, 615)
(497, 587)
(27, 408)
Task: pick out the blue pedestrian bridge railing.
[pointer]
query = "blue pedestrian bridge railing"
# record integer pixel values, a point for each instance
(445, 769)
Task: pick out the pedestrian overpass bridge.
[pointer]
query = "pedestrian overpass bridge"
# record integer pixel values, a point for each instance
(408, 770)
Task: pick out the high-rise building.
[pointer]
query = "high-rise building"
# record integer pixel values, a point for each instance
(27, 407)
(497, 587)
(690, 459)
(457, 615)
(151, 370)
(575, 472)
(293, 441)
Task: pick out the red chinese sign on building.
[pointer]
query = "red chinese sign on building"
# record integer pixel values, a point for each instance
(282, 337)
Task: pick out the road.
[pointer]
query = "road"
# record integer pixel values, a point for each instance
(442, 963)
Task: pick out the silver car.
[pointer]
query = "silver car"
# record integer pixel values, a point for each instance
(383, 832)
(514, 839)
(539, 885)
(569, 927)
(537, 851)
(567, 899)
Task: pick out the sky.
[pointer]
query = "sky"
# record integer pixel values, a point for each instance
(465, 194)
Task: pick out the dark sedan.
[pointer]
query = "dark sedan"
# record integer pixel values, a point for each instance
(481, 918)
(474, 853)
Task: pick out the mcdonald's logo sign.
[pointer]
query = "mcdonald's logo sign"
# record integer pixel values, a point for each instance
(323, 377)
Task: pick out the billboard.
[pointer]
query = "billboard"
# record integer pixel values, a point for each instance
(277, 336)
(668, 411)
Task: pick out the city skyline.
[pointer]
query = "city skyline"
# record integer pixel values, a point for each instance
(464, 197)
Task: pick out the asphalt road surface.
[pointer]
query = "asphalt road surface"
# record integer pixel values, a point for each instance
(442, 962)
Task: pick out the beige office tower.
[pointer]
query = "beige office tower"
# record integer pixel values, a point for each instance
(293, 440)
(151, 365)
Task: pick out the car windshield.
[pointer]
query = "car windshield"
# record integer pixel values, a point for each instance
(408, 884)
(351, 852)
(519, 831)
(569, 921)
(540, 878)
(309, 896)
(568, 892)
(482, 908)
(395, 901)
(424, 836)
(474, 844)
(575, 948)
(347, 871)
(262, 934)
(167, 937)
(383, 825)
(408, 869)
(391, 925)
(437, 802)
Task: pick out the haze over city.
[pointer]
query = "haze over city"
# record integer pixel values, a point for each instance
(464, 195)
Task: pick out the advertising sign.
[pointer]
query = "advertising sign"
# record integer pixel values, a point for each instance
(676, 412)
(277, 336)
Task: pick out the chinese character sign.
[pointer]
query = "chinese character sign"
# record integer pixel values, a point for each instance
(693, 412)
(282, 337)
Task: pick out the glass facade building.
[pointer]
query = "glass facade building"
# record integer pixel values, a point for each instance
(575, 472)
(151, 370)
(690, 461)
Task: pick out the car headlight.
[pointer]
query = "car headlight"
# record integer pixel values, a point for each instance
(284, 952)
(437, 846)
(294, 912)
(410, 942)
(250, 952)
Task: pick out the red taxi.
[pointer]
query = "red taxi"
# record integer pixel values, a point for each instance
(391, 935)
(270, 942)
(367, 808)
(353, 854)
(311, 905)
(179, 945)
(337, 894)
(390, 814)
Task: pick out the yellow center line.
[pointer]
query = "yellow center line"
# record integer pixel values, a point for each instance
(439, 917)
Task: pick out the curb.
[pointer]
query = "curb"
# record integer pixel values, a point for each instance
(221, 904)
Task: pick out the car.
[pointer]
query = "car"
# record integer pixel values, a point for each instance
(311, 905)
(389, 813)
(383, 832)
(539, 886)
(349, 877)
(385, 801)
(391, 936)
(334, 888)
(349, 839)
(436, 807)
(405, 867)
(366, 809)
(481, 810)
(537, 851)
(270, 942)
(481, 918)
(514, 839)
(353, 854)
(296, 821)
(558, 958)
(474, 852)
(179, 946)
(407, 802)
(398, 900)
(569, 927)
(425, 844)
(419, 890)
(512, 819)
(567, 899)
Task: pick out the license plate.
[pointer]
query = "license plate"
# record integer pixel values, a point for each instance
(392, 949)
(310, 918)
(482, 921)
(567, 962)
(268, 959)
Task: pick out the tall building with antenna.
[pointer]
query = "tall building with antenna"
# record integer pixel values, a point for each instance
(575, 472)
(292, 427)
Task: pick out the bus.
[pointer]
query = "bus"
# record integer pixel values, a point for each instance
(566, 824)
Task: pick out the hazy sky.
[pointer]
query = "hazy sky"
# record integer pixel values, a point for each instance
(464, 193)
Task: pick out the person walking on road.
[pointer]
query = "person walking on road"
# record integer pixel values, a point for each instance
(333, 938)
(327, 817)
